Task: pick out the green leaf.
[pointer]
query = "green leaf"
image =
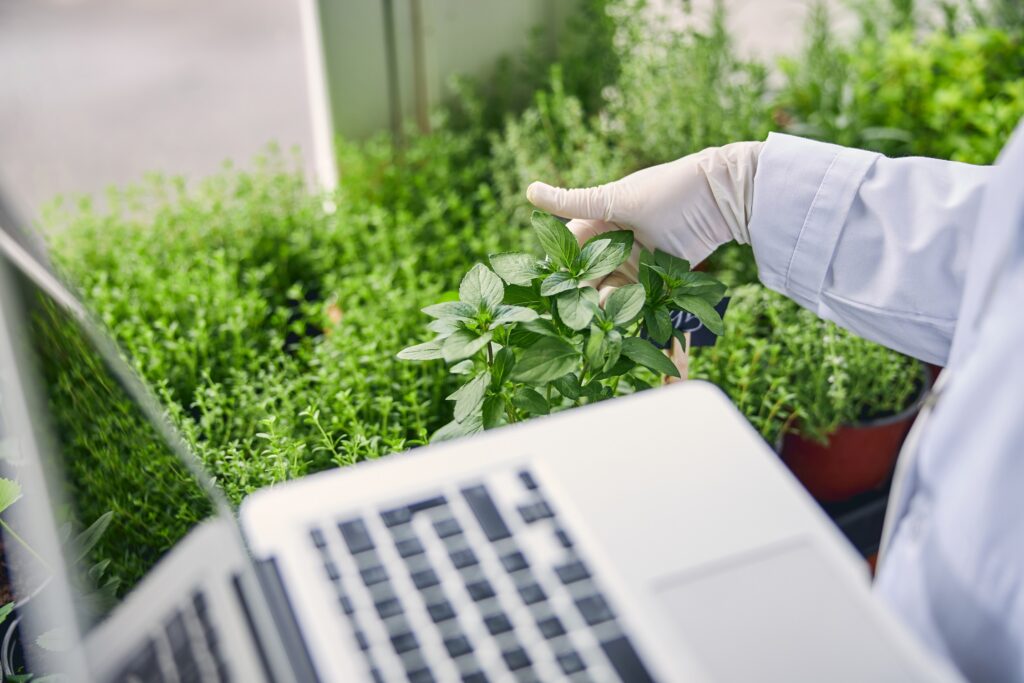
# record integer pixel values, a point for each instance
(87, 540)
(462, 367)
(55, 640)
(557, 283)
(556, 239)
(649, 278)
(625, 303)
(481, 288)
(673, 265)
(623, 238)
(701, 285)
(600, 257)
(544, 361)
(502, 366)
(658, 323)
(493, 411)
(513, 314)
(5, 611)
(525, 335)
(576, 308)
(522, 296)
(451, 309)
(463, 344)
(530, 401)
(444, 326)
(613, 347)
(10, 491)
(516, 268)
(430, 350)
(470, 396)
(644, 353)
(568, 385)
(704, 311)
(593, 350)
(455, 429)
(541, 326)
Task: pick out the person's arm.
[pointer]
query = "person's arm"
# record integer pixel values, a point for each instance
(878, 245)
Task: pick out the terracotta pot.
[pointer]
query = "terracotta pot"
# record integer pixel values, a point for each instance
(857, 458)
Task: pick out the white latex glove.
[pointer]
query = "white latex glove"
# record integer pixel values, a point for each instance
(688, 207)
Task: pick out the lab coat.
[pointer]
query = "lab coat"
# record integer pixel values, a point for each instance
(926, 257)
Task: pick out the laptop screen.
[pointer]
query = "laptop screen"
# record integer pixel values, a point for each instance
(127, 498)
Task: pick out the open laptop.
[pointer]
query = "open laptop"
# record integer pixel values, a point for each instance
(654, 537)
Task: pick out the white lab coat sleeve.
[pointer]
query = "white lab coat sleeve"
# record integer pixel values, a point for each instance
(878, 245)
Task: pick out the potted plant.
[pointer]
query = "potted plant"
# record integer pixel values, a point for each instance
(836, 406)
(528, 337)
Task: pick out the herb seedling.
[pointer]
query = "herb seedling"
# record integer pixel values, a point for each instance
(530, 338)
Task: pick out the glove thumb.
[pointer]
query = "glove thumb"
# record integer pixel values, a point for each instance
(589, 202)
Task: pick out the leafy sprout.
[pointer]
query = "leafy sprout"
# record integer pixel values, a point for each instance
(528, 337)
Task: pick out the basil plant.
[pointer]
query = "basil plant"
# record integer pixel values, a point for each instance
(529, 338)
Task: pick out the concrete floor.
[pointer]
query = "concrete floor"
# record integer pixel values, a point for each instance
(99, 92)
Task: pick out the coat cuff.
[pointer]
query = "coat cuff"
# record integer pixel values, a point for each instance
(803, 190)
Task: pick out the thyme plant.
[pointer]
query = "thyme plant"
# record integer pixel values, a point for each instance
(529, 337)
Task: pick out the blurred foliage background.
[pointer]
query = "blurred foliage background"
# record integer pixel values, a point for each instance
(267, 317)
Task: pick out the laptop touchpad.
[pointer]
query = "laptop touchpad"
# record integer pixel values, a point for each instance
(779, 615)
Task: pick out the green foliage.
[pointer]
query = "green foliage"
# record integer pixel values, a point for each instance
(950, 96)
(789, 370)
(267, 319)
(543, 343)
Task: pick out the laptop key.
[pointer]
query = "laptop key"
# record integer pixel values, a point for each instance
(388, 608)
(447, 527)
(361, 641)
(572, 572)
(425, 579)
(318, 537)
(625, 660)
(143, 666)
(480, 590)
(409, 547)
(475, 677)
(457, 646)
(404, 642)
(563, 538)
(356, 535)
(551, 627)
(463, 558)
(497, 623)
(594, 609)
(486, 512)
(421, 676)
(346, 604)
(527, 479)
(374, 575)
(535, 511)
(395, 516)
(332, 571)
(516, 658)
(532, 593)
(515, 561)
(441, 611)
(426, 504)
(571, 662)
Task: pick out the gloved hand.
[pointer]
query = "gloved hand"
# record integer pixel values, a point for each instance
(688, 207)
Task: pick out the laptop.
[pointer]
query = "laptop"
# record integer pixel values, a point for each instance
(648, 538)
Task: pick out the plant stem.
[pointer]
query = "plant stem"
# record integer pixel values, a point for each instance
(490, 355)
(25, 545)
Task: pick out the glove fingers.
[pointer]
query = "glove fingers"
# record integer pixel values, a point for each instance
(589, 202)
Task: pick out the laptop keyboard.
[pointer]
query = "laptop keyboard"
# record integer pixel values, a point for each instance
(186, 650)
(478, 583)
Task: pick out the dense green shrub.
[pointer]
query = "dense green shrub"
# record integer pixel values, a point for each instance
(786, 368)
(952, 96)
